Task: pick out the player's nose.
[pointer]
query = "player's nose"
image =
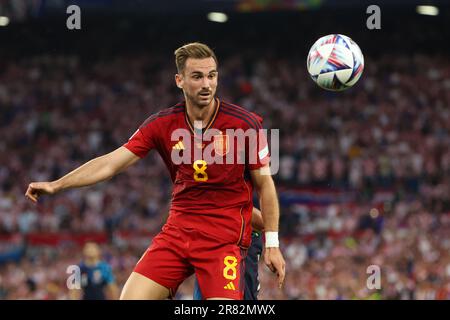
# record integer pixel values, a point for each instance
(206, 84)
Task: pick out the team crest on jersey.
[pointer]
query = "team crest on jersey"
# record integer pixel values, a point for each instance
(221, 144)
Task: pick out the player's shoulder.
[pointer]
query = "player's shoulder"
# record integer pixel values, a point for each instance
(242, 115)
(105, 266)
(165, 114)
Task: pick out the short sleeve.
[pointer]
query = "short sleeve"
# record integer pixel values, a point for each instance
(259, 152)
(108, 274)
(144, 138)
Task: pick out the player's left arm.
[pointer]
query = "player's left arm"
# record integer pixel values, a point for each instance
(257, 220)
(111, 285)
(265, 187)
(113, 291)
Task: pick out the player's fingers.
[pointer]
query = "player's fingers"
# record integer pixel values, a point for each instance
(33, 186)
(31, 197)
(280, 268)
(270, 266)
(31, 193)
(281, 276)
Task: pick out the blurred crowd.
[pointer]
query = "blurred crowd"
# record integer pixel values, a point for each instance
(333, 256)
(389, 134)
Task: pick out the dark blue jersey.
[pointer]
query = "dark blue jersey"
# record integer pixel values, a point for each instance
(94, 279)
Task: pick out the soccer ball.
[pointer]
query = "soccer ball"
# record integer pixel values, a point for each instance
(335, 62)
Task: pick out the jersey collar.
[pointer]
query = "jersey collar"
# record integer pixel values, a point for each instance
(210, 122)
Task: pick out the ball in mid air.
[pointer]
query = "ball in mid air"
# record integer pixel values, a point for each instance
(335, 62)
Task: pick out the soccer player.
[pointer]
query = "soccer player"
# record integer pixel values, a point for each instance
(208, 229)
(251, 261)
(96, 276)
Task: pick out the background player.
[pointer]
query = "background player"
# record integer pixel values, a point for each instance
(97, 279)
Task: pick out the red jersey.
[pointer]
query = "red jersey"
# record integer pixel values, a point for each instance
(209, 195)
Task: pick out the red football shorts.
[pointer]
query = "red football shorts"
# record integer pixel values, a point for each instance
(175, 254)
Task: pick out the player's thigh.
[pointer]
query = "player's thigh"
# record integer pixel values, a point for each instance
(220, 271)
(164, 263)
(139, 287)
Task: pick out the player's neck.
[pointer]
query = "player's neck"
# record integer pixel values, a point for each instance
(197, 113)
(91, 262)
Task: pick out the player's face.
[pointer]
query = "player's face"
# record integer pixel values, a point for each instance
(91, 251)
(199, 81)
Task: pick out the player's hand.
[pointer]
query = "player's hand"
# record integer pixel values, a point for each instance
(275, 262)
(36, 189)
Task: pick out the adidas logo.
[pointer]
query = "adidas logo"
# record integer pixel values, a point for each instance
(178, 146)
(230, 286)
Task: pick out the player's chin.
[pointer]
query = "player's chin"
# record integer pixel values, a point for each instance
(204, 100)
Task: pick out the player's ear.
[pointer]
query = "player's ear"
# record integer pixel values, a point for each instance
(179, 80)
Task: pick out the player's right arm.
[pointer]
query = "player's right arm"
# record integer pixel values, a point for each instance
(96, 170)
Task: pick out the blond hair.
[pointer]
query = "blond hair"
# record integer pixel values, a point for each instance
(195, 50)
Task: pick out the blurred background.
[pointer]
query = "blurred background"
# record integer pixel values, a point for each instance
(364, 174)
